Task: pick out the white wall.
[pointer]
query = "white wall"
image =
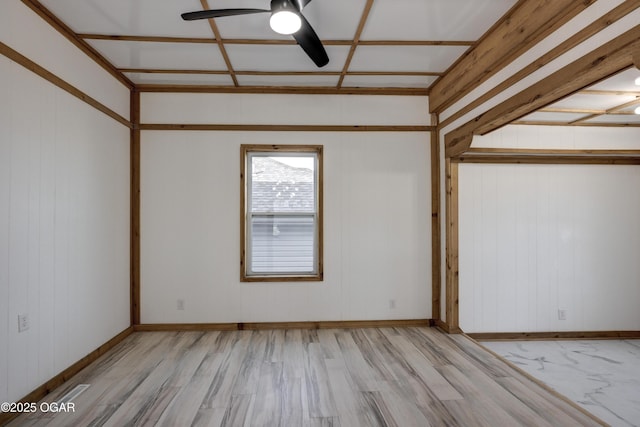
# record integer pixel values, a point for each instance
(64, 225)
(24, 31)
(376, 217)
(538, 238)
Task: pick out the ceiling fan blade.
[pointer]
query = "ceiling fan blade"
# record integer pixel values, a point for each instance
(300, 4)
(311, 44)
(219, 13)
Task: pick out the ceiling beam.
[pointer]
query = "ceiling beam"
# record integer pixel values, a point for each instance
(356, 40)
(68, 33)
(293, 90)
(223, 51)
(205, 40)
(607, 60)
(526, 24)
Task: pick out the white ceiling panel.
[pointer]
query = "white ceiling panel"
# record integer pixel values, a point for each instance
(624, 81)
(409, 58)
(282, 58)
(541, 116)
(433, 19)
(127, 17)
(188, 56)
(421, 82)
(595, 102)
(617, 118)
(181, 79)
(304, 80)
(321, 14)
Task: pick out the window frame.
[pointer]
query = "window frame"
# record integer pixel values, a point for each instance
(275, 150)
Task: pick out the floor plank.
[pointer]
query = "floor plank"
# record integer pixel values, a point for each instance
(332, 377)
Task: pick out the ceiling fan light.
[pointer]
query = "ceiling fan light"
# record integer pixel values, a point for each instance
(637, 110)
(285, 22)
(638, 81)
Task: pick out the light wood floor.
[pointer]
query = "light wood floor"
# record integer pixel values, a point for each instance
(328, 377)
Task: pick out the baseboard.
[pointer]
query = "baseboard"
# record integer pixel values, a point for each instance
(570, 335)
(65, 375)
(328, 324)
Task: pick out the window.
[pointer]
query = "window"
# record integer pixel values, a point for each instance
(281, 210)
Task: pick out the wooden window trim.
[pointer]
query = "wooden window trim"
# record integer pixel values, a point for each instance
(245, 149)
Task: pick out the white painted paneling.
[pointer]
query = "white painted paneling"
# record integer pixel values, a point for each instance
(538, 238)
(64, 229)
(376, 223)
(24, 31)
(284, 109)
(560, 137)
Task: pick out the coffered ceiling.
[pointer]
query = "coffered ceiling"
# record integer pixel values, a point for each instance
(402, 46)
(370, 43)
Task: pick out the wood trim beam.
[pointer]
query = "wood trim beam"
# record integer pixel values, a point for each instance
(161, 39)
(611, 110)
(280, 73)
(67, 374)
(57, 81)
(302, 90)
(356, 40)
(218, 37)
(436, 278)
(597, 26)
(539, 151)
(609, 92)
(584, 124)
(135, 209)
(286, 128)
(452, 285)
(338, 324)
(527, 23)
(85, 47)
(547, 160)
(599, 64)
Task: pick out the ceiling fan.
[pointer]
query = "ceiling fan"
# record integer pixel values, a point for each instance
(286, 18)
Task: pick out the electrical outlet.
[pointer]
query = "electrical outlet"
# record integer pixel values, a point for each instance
(562, 314)
(23, 322)
(180, 304)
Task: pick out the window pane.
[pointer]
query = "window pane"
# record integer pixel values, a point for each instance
(282, 184)
(282, 244)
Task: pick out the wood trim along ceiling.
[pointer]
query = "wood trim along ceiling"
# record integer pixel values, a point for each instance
(280, 73)
(218, 38)
(160, 39)
(356, 39)
(22, 60)
(526, 24)
(287, 128)
(551, 159)
(599, 64)
(597, 26)
(557, 151)
(304, 90)
(63, 29)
